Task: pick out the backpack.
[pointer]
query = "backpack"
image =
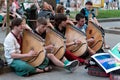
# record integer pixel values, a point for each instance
(95, 69)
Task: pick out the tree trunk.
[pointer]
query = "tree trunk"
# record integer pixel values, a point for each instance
(8, 19)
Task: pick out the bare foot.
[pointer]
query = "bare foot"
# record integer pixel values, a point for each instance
(46, 69)
(39, 70)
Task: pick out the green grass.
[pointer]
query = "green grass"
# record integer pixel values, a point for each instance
(101, 14)
(108, 14)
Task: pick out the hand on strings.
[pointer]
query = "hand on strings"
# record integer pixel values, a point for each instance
(32, 53)
(91, 40)
(77, 41)
(49, 46)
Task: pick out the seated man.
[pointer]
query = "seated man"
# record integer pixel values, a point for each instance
(90, 16)
(42, 25)
(13, 55)
(80, 18)
(60, 25)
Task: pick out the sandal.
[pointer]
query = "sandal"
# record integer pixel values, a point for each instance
(47, 69)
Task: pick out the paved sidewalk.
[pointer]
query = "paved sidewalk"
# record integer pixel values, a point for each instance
(111, 27)
(56, 74)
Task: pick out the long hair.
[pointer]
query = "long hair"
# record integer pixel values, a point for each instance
(60, 9)
(59, 17)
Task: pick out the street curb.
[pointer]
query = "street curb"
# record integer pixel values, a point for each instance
(108, 19)
(112, 31)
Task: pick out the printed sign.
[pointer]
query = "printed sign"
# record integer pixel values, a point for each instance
(107, 62)
(98, 3)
